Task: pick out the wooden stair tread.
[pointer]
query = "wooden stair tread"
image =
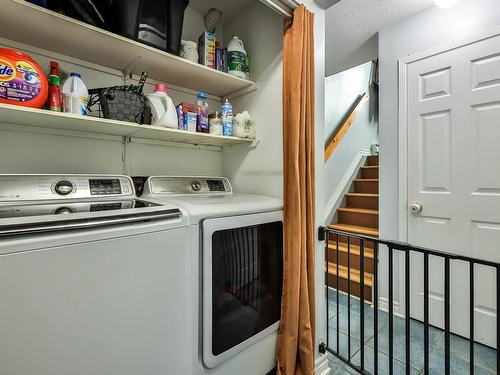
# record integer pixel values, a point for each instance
(367, 211)
(355, 274)
(367, 195)
(369, 166)
(366, 180)
(373, 232)
(355, 249)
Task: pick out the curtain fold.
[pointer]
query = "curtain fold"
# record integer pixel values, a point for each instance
(295, 349)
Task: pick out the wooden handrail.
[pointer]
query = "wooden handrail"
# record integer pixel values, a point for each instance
(346, 124)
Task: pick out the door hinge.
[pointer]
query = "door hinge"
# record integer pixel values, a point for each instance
(322, 348)
(321, 233)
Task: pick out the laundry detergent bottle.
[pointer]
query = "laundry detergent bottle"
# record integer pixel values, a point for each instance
(163, 108)
(22, 80)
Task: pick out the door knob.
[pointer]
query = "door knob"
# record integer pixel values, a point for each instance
(416, 207)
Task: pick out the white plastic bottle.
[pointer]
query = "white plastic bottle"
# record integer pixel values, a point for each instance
(75, 96)
(237, 58)
(163, 108)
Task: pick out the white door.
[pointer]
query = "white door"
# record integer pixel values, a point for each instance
(453, 143)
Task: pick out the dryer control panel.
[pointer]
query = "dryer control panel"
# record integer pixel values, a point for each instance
(56, 187)
(188, 185)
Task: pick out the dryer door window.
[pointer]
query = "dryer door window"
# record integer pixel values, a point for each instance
(242, 302)
(247, 277)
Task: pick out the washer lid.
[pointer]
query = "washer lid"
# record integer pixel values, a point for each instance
(203, 207)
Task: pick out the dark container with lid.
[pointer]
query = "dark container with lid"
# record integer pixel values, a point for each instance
(157, 23)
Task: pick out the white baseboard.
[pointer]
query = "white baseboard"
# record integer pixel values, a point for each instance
(383, 304)
(321, 365)
(344, 184)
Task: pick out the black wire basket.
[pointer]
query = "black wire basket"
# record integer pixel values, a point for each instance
(123, 103)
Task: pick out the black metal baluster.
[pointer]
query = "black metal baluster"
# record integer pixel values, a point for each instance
(375, 308)
(447, 316)
(338, 289)
(349, 298)
(471, 316)
(426, 313)
(391, 312)
(362, 302)
(407, 311)
(327, 267)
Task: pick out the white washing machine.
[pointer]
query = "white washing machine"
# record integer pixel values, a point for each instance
(238, 251)
(92, 280)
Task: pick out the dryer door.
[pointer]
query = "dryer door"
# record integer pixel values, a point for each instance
(242, 282)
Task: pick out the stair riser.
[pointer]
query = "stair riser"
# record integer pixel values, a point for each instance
(359, 219)
(362, 202)
(355, 287)
(332, 254)
(372, 160)
(353, 241)
(369, 187)
(369, 172)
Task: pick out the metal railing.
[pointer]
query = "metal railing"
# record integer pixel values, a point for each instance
(392, 248)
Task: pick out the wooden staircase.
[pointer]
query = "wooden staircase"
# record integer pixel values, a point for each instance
(359, 216)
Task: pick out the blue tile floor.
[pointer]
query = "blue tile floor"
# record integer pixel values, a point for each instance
(484, 357)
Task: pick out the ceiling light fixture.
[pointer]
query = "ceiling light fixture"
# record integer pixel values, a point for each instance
(445, 3)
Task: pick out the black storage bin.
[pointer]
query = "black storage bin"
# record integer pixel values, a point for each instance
(125, 17)
(93, 12)
(157, 23)
(175, 22)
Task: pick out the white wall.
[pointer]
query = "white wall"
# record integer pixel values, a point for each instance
(341, 91)
(366, 51)
(196, 26)
(417, 33)
(259, 169)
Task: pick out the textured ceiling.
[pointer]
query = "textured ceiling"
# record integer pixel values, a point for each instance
(326, 3)
(352, 26)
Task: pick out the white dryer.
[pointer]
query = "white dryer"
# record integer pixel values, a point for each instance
(92, 280)
(238, 251)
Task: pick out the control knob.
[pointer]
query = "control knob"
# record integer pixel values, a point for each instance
(196, 186)
(63, 187)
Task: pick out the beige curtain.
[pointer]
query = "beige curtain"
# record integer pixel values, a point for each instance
(295, 350)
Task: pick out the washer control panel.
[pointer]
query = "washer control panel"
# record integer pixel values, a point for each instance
(53, 187)
(105, 186)
(182, 185)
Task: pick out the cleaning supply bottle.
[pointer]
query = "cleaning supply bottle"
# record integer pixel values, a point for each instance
(227, 118)
(54, 94)
(163, 108)
(54, 69)
(202, 120)
(237, 58)
(54, 102)
(75, 95)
